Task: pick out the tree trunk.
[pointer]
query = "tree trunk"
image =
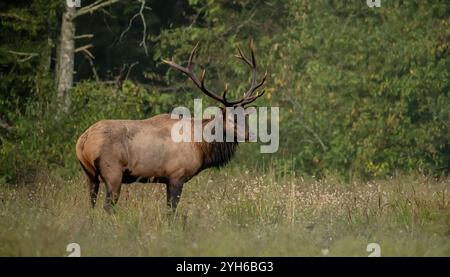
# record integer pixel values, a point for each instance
(66, 53)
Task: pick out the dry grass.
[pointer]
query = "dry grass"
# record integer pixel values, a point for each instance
(232, 213)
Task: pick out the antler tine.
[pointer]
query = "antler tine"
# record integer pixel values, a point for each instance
(262, 82)
(253, 98)
(252, 50)
(176, 66)
(226, 101)
(243, 57)
(254, 86)
(208, 92)
(215, 96)
(190, 73)
(230, 103)
(192, 55)
(224, 95)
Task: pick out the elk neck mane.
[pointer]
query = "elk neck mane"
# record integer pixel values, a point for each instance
(216, 154)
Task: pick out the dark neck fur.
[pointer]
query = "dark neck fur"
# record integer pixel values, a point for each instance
(217, 154)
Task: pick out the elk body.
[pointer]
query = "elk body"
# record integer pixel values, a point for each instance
(127, 151)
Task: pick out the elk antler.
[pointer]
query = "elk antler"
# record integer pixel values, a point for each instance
(248, 97)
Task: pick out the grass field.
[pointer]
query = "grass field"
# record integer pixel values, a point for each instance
(232, 213)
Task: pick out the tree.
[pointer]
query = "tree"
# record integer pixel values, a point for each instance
(66, 49)
(66, 52)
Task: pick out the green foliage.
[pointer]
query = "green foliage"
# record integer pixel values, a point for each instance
(372, 84)
(362, 91)
(44, 138)
(26, 43)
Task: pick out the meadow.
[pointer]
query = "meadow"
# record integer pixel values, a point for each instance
(232, 212)
(364, 126)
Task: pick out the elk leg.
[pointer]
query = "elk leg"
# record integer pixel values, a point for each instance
(93, 183)
(173, 195)
(113, 185)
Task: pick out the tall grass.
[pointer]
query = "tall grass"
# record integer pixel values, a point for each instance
(233, 213)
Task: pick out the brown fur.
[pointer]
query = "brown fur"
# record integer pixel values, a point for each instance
(126, 151)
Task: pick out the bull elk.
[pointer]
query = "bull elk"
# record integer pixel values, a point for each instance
(127, 151)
